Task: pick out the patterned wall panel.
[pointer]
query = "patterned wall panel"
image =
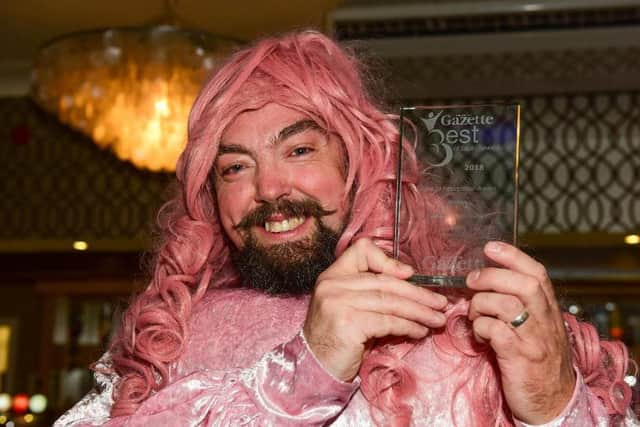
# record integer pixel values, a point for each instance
(580, 161)
(56, 186)
(581, 157)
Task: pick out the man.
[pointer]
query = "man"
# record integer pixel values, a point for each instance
(273, 301)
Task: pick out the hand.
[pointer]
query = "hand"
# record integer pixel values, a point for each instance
(363, 296)
(534, 358)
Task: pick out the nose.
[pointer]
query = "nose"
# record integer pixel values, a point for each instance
(272, 183)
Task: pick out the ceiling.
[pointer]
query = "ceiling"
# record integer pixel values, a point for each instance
(27, 24)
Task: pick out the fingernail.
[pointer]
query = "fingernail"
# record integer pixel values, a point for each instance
(473, 276)
(441, 317)
(406, 268)
(442, 301)
(494, 247)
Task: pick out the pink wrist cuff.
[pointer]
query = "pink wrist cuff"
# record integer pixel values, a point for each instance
(291, 382)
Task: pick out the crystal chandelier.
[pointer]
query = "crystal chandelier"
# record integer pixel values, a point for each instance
(129, 89)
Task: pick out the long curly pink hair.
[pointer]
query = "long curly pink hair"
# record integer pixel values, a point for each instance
(310, 73)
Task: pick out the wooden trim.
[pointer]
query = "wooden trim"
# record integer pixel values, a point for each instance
(575, 240)
(86, 287)
(66, 245)
(600, 290)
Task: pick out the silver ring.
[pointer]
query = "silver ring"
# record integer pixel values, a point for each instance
(520, 319)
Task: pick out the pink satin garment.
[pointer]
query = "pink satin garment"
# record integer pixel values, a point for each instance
(247, 364)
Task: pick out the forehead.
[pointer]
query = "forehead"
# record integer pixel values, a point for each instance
(263, 124)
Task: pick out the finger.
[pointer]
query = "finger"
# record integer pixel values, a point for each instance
(382, 325)
(516, 260)
(502, 306)
(388, 284)
(502, 338)
(390, 304)
(365, 256)
(526, 288)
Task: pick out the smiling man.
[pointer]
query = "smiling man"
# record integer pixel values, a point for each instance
(273, 301)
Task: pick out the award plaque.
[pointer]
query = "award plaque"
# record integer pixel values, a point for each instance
(467, 166)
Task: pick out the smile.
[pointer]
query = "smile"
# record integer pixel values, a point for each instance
(284, 225)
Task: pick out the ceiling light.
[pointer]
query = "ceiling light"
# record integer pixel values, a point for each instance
(129, 89)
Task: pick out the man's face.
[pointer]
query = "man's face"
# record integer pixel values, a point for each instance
(279, 183)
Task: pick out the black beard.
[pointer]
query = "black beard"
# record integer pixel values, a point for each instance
(289, 268)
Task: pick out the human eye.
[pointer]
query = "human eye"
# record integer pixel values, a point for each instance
(301, 151)
(233, 169)
(229, 167)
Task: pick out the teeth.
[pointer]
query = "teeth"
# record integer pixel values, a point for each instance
(282, 226)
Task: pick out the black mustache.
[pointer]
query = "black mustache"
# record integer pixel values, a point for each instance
(290, 208)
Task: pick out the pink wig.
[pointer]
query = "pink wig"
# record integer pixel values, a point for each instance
(307, 72)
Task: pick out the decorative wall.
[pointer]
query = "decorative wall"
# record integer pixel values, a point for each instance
(580, 161)
(56, 187)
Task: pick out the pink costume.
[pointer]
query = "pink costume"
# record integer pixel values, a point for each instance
(247, 364)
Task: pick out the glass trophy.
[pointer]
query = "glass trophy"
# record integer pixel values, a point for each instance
(467, 173)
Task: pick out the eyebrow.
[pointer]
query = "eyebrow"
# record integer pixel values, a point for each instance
(232, 148)
(286, 132)
(294, 129)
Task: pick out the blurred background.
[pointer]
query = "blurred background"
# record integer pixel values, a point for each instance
(93, 104)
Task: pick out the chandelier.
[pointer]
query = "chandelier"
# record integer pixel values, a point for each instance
(129, 89)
